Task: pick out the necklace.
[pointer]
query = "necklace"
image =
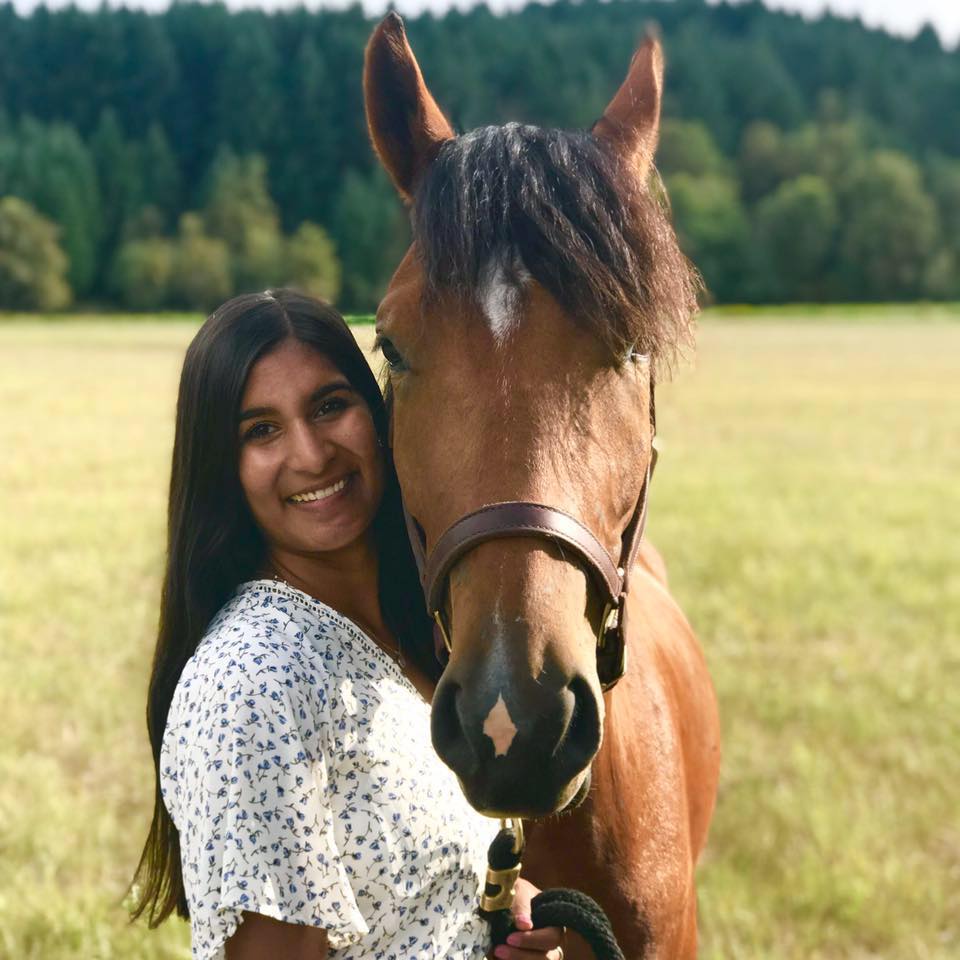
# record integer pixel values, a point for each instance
(393, 651)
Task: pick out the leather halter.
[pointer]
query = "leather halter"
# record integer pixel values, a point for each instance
(522, 518)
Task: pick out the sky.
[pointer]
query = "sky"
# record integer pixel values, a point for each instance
(898, 16)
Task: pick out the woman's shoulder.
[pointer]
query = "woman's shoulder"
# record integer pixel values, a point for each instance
(338, 646)
(253, 677)
(274, 636)
(252, 635)
(253, 648)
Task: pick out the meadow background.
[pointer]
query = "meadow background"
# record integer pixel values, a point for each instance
(807, 500)
(808, 506)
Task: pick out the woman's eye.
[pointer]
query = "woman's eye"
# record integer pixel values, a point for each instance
(331, 405)
(258, 431)
(391, 354)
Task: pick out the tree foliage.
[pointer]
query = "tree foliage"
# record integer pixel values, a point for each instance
(51, 168)
(32, 265)
(890, 228)
(372, 233)
(796, 226)
(255, 121)
(143, 273)
(311, 263)
(240, 212)
(713, 229)
(200, 278)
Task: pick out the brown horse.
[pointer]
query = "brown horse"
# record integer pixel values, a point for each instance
(543, 292)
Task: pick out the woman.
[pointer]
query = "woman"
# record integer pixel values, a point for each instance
(300, 808)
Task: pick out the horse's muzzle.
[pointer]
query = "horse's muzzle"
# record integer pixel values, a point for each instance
(519, 748)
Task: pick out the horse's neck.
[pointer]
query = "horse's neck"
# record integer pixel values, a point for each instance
(667, 694)
(650, 562)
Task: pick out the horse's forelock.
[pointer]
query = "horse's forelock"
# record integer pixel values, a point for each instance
(519, 201)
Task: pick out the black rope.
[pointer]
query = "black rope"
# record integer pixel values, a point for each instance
(580, 913)
(550, 908)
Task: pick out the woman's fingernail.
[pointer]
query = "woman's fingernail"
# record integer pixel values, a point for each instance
(524, 919)
(515, 940)
(501, 952)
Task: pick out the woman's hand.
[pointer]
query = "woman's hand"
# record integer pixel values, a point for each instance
(527, 943)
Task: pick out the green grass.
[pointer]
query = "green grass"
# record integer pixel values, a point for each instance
(807, 502)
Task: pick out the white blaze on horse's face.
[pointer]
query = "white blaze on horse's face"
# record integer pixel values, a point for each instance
(501, 297)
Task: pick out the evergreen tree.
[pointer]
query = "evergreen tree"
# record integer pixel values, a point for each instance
(307, 170)
(160, 174)
(240, 212)
(119, 180)
(246, 86)
(52, 169)
(372, 234)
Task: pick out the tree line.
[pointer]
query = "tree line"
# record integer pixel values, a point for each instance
(168, 160)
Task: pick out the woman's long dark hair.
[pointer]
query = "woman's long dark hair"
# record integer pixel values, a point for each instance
(213, 543)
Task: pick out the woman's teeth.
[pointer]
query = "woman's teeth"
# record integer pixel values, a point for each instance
(320, 494)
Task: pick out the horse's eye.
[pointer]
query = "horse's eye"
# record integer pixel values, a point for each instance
(391, 354)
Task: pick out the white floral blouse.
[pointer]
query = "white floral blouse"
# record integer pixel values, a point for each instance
(298, 769)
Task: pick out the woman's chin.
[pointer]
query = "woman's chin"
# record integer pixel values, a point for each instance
(319, 527)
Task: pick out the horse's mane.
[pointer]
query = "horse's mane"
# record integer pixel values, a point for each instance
(553, 204)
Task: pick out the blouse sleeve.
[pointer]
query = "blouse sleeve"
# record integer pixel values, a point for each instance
(256, 830)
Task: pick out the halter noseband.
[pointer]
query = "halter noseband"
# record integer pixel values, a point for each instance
(522, 518)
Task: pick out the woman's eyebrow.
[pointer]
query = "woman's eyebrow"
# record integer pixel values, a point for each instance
(319, 394)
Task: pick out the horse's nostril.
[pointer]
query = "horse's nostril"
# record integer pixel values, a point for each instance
(582, 738)
(444, 721)
(446, 729)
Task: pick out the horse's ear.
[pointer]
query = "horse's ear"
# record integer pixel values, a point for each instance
(631, 122)
(405, 123)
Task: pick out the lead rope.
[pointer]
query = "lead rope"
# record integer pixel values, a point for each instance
(550, 908)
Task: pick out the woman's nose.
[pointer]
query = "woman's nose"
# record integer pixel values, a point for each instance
(309, 449)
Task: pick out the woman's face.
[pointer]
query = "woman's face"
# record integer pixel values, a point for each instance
(310, 464)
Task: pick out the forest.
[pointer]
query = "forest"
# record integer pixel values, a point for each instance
(153, 161)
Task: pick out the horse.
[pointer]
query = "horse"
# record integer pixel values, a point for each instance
(522, 332)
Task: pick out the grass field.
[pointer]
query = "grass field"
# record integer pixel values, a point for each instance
(807, 502)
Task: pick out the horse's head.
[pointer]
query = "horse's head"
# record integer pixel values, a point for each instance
(543, 288)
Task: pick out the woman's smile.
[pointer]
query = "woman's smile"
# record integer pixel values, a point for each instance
(321, 493)
(323, 497)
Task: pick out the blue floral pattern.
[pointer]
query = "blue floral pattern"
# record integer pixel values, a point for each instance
(298, 769)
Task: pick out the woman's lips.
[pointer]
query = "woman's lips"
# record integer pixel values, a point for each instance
(320, 493)
(323, 497)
